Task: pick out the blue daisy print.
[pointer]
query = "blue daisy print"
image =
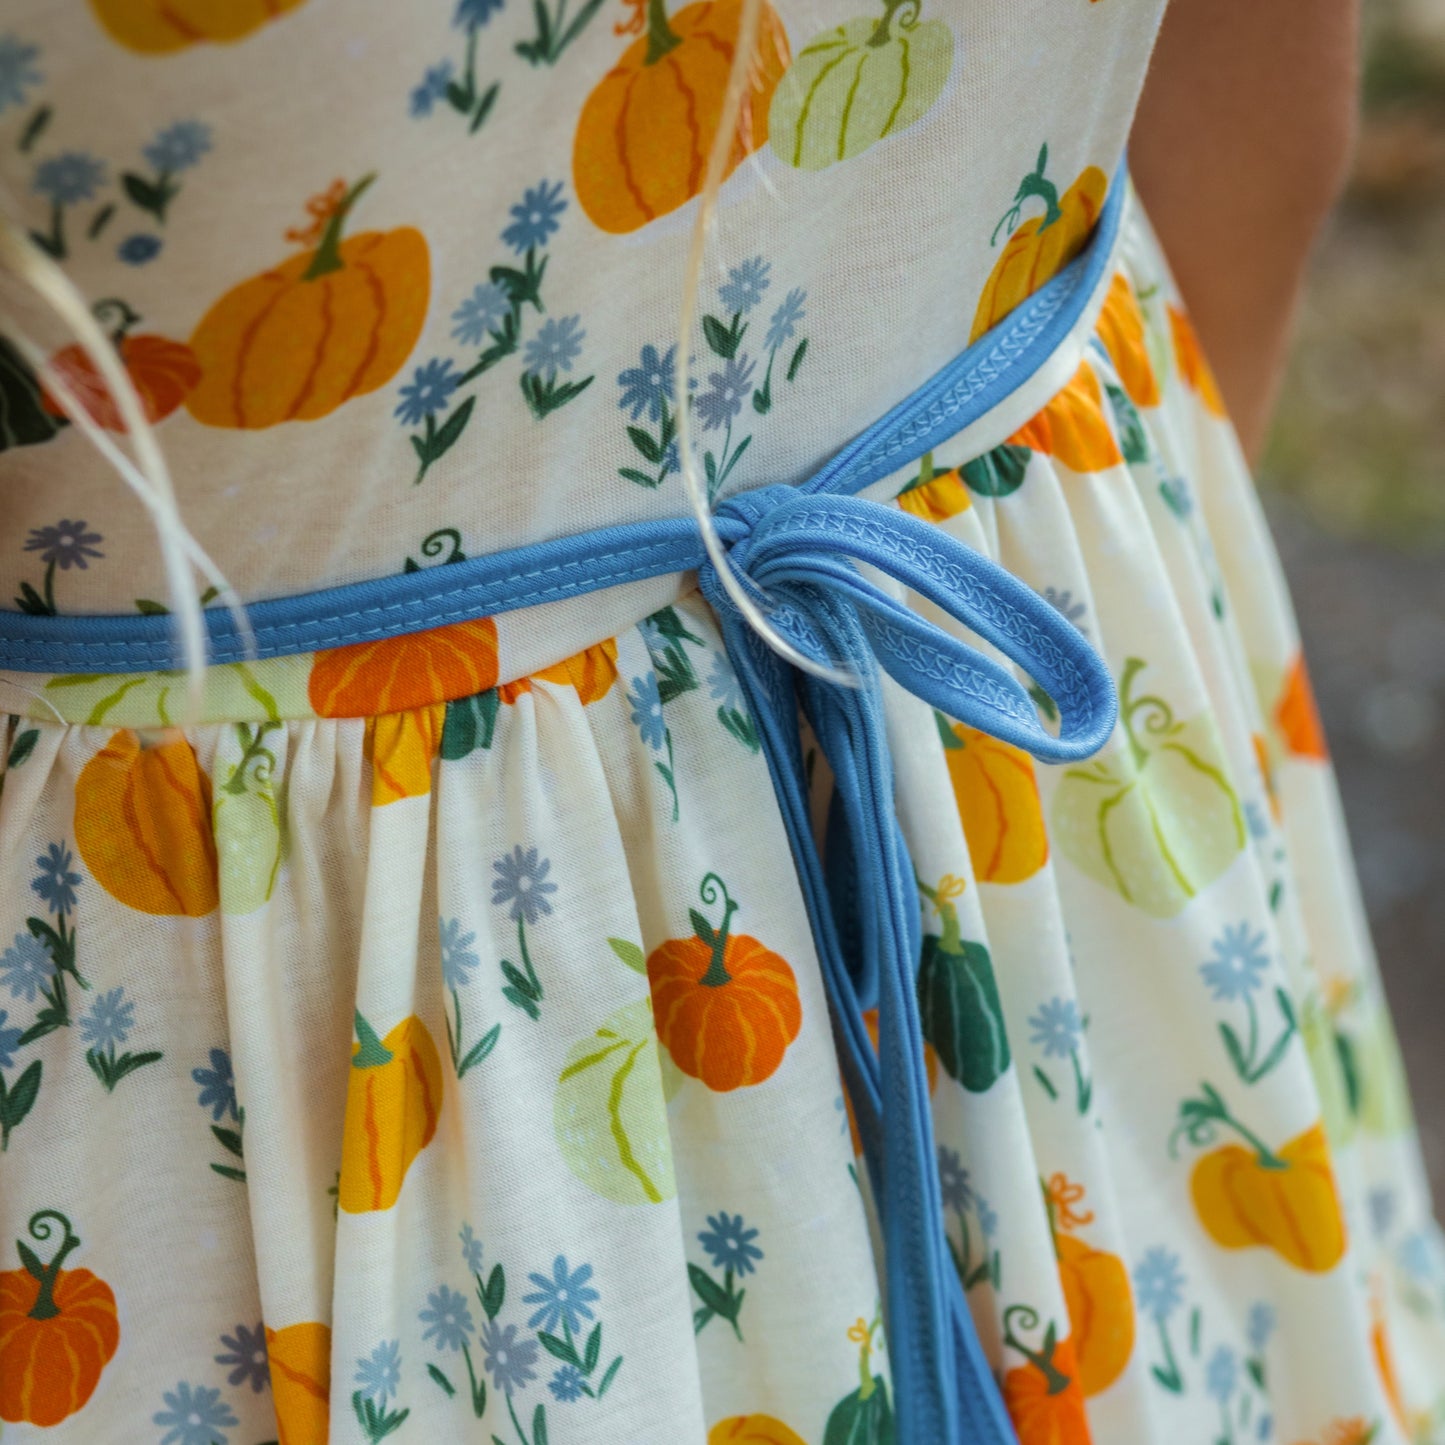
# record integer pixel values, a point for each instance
(180, 146)
(648, 386)
(522, 883)
(509, 1361)
(378, 1375)
(69, 179)
(57, 880)
(447, 1319)
(428, 392)
(108, 1022)
(26, 967)
(482, 312)
(745, 285)
(218, 1086)
(245, 1355)
(433, 87)
(194, 1415)
(18, 71)
(535, 217)
(784, 324)
(725, 393)
(729, 1243)
(457, 957)
(645, 699)
(566, 1296)
(555, 347)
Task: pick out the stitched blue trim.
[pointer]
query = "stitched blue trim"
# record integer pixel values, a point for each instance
(972, 384)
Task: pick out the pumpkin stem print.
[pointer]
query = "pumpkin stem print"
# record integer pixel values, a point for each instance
(1096, 1290)
(726, 1006)
(1159, 820)
(864, 1414)
(393, 1100)
(1043, 1396)
(58, 1329)
(958, 1001)
(858, 83)
(163, 372)
(1250, 1195)
(1041, 246)
(337, 321)
(647, 128)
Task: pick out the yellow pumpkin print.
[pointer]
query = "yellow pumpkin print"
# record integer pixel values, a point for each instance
(1193, 367)
(299, 340)
(1096, 1290)
(400, 747)
(1039, 247)
(159, 27)
(998, 801)
(1121, 330)
(393, 1100)
(935, 496)
(852, 86)
(1072, 426)
(143, 824)
(300, 1360)
(645, 132)
(1248, 1195)
(753, 1430)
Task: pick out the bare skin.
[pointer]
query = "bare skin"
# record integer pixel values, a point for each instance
(1240, 148)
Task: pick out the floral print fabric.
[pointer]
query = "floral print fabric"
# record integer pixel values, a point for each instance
(435, 1018)
(429, 1043)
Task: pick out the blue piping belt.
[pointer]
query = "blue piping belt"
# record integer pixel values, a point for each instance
(797, 549)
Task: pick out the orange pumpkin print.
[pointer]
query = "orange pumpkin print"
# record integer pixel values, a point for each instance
(1072, 427)
(1041, 246)
(400, 673)
(163, 372)
(1385, 1361)
(158, 27)
(998, 800)
(1354, 1431)
(726, 1007)
(1043, 1397)
(58, 1330)
(1121, 329)
(645, 131)
(591, 671)
(300, 1360)
(1297, 716)
(753, 1430)
(299, 340)
(1189, 358)
(1096, 1291)
(1266, 768)
(393, 1101)
(400, 747)
(143, 824)
(1249, 1196)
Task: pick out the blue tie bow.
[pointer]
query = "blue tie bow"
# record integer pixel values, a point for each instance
(798, 554)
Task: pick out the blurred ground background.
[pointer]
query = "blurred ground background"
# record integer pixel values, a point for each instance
(1354, 482)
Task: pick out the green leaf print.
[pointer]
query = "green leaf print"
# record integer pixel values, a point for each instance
(629, 953)
(470, 724)
(997, 473)
(22, 747)
(17, 1100)
(24, 421)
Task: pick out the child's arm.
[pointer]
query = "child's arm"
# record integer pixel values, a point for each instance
(1241, 145)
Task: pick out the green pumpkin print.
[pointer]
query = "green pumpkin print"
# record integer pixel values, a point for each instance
(863, 1416)
(1159, 821)
(857, 83)
(610, 1111)
(958, 1001)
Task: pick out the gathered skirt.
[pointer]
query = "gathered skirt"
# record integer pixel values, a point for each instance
(409, 1053)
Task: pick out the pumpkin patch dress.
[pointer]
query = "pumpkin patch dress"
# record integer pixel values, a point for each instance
(436, 1039)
